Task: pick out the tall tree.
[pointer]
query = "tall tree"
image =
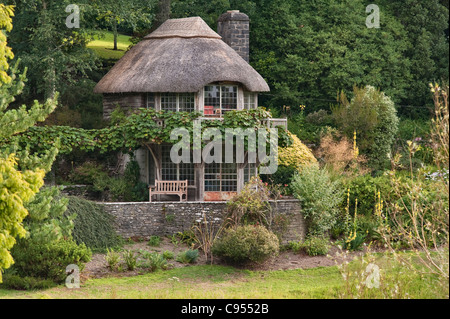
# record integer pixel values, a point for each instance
(426, 24)
(21, 175)
(55, 54)
(163, 13)
(310, 50)
(115, 12)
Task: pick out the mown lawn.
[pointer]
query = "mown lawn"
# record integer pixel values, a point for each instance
(221, 282)
(104, 43)
(203, 282)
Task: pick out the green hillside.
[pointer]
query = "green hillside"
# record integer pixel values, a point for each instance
(104, 43)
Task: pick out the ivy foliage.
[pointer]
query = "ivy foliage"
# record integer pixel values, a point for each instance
(144, 127)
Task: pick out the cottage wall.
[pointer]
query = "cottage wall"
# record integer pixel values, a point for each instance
(127, 101)
(142, 220)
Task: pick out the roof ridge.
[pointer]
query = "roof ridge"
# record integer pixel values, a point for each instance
(193, 27)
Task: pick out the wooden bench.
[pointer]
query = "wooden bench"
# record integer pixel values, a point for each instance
(179, 188)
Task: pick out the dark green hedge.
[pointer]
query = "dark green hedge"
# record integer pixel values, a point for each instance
(93, 226)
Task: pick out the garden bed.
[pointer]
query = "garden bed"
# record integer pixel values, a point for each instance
(286, 260)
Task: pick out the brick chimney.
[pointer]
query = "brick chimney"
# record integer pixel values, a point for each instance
(234, 28)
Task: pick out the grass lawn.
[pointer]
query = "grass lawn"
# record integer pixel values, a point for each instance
(104, 43)
(202, 282)
(222, 282)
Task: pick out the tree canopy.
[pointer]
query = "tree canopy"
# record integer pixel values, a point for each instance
(308, 51)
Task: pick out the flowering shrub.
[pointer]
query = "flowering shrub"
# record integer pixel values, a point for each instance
(297, 155)
(437, 175)
(281, 179)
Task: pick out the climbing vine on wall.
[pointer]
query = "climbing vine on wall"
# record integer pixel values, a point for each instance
(141, 128)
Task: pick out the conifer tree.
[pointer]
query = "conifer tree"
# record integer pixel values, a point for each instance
(21, 174)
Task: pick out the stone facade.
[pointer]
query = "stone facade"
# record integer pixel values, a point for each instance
(142, 220)
(234, 27)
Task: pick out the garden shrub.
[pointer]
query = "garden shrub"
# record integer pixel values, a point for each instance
(316, 245)
(319, 118)
(186, 237)
(16, 282)
(365, 189)
(320, 198)
(87, 173)
(168, 254)
(188, 256)
(92, 225)
(130, 259)
(138, 189)
(373, 116)
(369, 225)
(251, 205)
(295, 246)
(154, 241)
(49, 248)
(48, 260)
(295, 156)
(126, 188)
(113, 259)
(313, 246)
(246, 244)
(153, 261)
(282, 176)
(307, 128)
(339, 154)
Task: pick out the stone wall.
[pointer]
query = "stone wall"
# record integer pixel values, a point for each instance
(234, 28)
(142, 220)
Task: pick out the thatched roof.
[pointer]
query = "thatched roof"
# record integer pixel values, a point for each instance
(182, 55)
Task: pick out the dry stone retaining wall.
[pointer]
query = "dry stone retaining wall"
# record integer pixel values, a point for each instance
(142, 220)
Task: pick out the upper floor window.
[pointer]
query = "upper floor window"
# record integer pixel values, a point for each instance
(220, 99)
(150, 100)
(250, 100)
(178, 102)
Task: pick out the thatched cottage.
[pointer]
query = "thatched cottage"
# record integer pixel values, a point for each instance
(186, 66)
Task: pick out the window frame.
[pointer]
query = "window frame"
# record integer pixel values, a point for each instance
(250, 170)
(178, 97)
(248, 103)
(176, 167)
(222, 182)
(149, 96)
(221, 98)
